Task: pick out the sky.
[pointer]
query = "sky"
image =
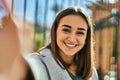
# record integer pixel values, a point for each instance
(19, 8)
(30, 9)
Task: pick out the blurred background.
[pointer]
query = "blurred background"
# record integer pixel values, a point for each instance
(35, 17)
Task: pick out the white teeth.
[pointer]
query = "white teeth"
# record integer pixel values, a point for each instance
(70, 45)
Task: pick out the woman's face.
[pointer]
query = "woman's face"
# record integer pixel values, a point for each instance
(71, 35)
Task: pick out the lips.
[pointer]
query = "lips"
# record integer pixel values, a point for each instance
(70, 45)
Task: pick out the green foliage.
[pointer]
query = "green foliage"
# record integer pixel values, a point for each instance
(39, 40)
(114, 41)
(56, 8)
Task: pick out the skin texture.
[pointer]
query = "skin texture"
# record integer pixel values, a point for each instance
(12, 64)
(71, 36)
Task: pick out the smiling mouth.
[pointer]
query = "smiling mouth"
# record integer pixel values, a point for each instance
(70, 45)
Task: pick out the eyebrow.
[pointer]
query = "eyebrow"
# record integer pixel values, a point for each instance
(68, 26)
(65, 25)
(82, 29)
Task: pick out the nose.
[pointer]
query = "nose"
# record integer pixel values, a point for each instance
(72, 38)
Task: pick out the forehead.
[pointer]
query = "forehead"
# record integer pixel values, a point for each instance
(75, 20)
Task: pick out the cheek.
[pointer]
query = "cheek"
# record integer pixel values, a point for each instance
(59, 37)
(82, 40)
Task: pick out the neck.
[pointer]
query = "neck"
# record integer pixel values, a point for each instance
(66, 58)
(73, 69)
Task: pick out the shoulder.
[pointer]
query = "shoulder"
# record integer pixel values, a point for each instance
(45, 52)
(95, 75)
(38, 56)
(36, 65)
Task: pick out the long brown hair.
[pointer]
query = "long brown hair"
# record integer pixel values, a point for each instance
(84, 58)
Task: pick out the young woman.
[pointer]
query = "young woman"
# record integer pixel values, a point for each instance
(69, 56)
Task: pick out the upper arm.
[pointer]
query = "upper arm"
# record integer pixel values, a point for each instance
(37, 67)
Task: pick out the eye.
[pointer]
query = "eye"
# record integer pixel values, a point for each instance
(80, 33)
(65, 30)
